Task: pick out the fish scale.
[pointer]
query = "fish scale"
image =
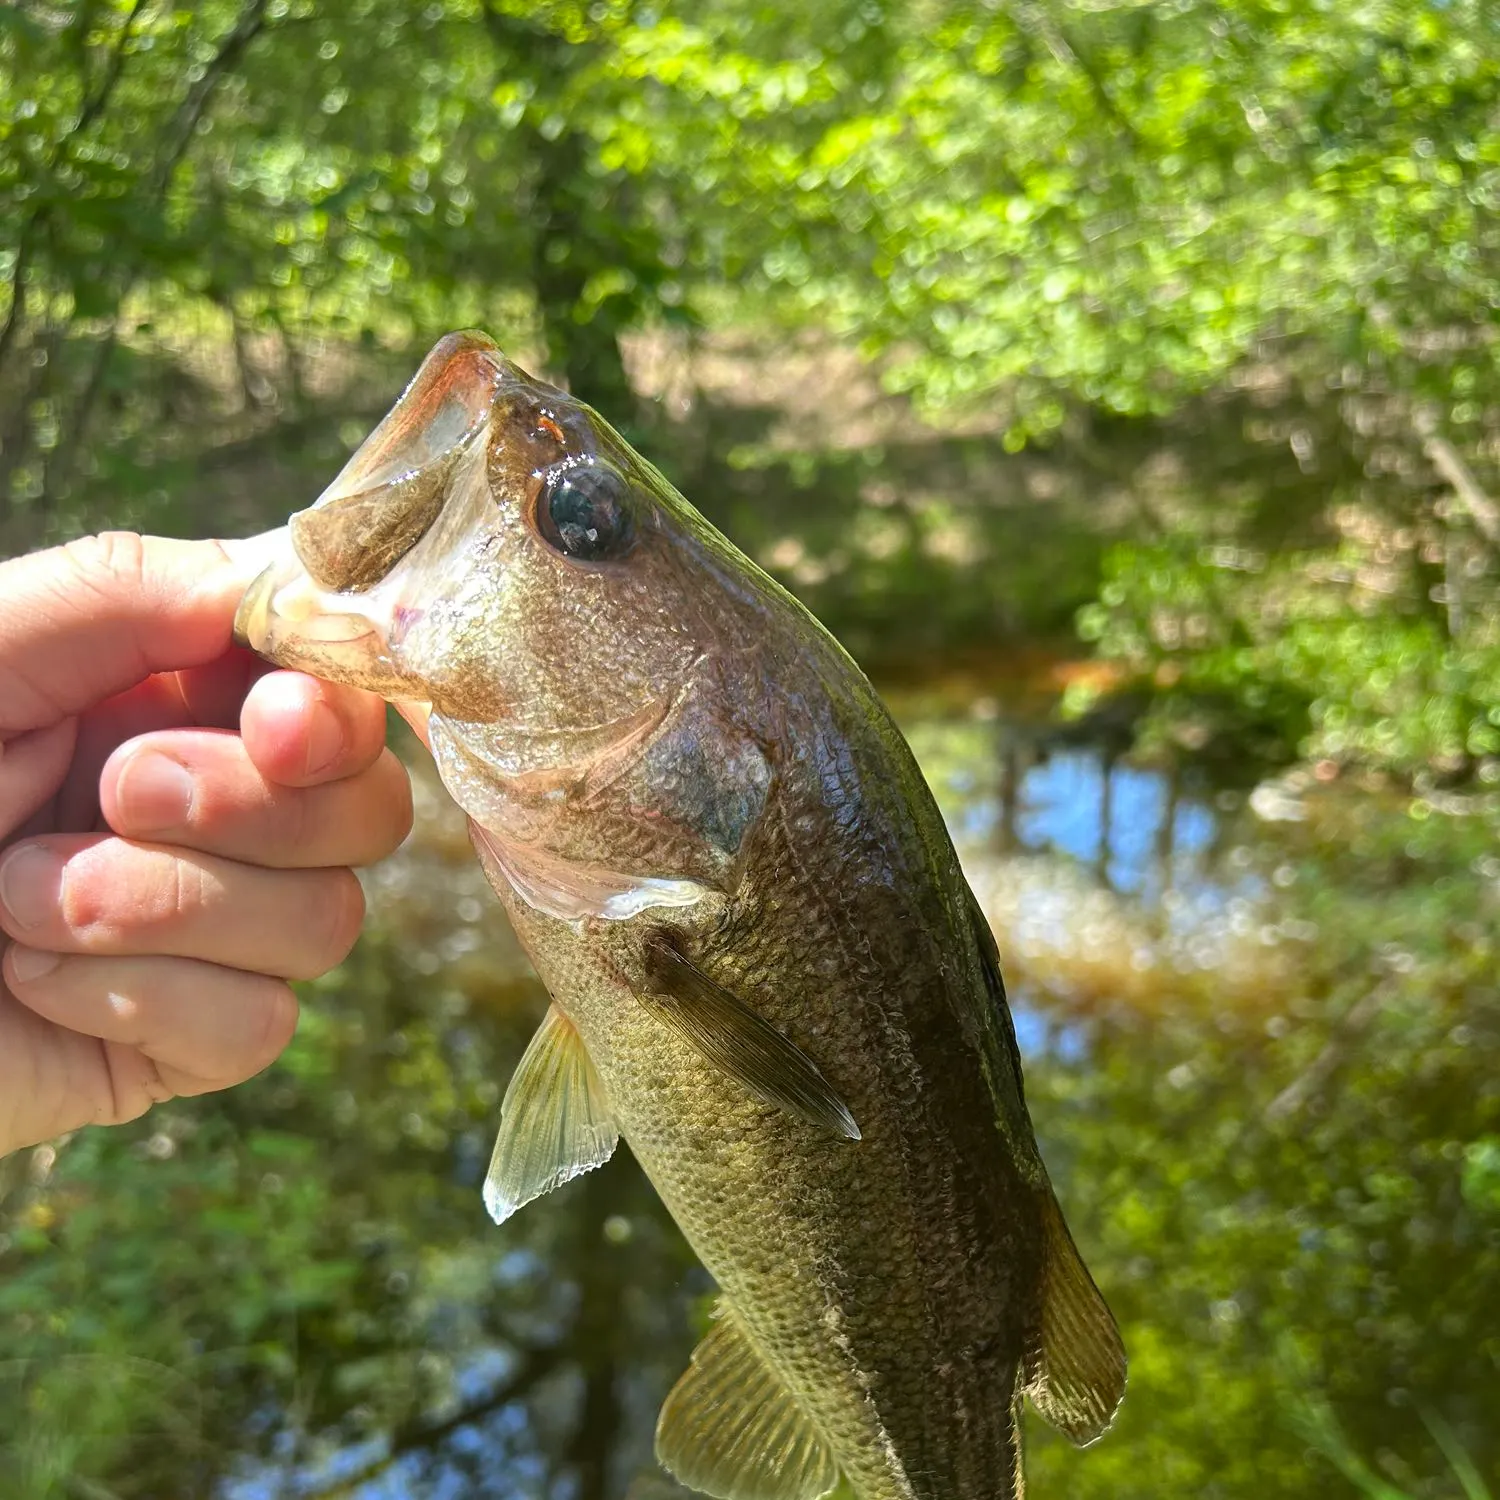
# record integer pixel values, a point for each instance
(767, 972)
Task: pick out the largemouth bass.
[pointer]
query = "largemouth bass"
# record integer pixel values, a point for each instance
(767, 971)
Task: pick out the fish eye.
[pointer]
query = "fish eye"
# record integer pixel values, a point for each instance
(584, 512)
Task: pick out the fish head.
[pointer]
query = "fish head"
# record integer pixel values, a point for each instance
(493, 548)
(498, 554)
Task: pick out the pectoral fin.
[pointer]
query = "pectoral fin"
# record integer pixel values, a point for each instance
(554, 1123)
(730, 1428)
(1076, 1374)
(738, 1042)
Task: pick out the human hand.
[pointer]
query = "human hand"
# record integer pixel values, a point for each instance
(161, 876)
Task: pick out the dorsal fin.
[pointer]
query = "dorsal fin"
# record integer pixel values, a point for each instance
(1075, 1374)
(730, 1428)
(554, 1123)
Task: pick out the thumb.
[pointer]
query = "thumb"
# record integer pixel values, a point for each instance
(82, 622)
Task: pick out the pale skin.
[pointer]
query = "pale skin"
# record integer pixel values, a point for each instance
(178, 832)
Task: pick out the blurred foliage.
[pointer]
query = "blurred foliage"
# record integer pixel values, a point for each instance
(1261, 1048)
(1286, 1187)
(1115, 229)
(1175, 323)
(300, 1281)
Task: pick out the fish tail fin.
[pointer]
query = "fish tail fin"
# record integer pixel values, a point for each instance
(1075, 1370)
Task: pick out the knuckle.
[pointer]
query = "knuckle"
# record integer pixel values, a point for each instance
(89, 894)
(185, 889)
(209, 814)
(134, 1084)
(81, 899)
(104, 562)
(114, 889)
(177, 893)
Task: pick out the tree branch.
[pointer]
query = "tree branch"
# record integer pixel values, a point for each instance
(1061, 46)
(249, 25)
(36, 221)
(93, 108)
(1446, 459)
(537, 1364)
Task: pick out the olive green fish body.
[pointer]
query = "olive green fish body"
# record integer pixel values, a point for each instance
(767, 971)
(886, 1283)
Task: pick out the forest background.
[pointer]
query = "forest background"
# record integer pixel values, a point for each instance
(1155, 339)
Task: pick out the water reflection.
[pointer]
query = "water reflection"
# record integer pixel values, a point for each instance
(1261, 1055)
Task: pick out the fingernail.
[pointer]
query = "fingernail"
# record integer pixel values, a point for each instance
(325, 739)
(27, 964)
(30, 884)
(155, 793)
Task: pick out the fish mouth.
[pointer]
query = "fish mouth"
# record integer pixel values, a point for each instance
(340, 645)
(331, 602)
(287, 594)
(393, 488)
(288, 620)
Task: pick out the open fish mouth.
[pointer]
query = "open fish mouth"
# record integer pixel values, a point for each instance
(282, 592)
(386, 498)
(322, 604)
(286, 618)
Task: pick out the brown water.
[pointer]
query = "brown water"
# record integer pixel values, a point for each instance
(1260, 1030)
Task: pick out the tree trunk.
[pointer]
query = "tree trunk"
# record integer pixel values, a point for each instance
(583, 348)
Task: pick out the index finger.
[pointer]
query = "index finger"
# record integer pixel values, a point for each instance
(82, 622)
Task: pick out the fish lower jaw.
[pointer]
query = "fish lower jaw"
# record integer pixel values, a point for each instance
(285, 618)
(284, 602)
